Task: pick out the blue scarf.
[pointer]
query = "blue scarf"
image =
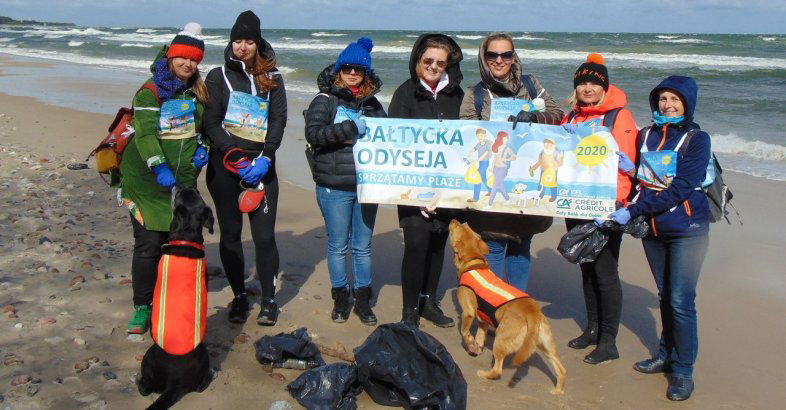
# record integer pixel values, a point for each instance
(168, 85)
(660, 119)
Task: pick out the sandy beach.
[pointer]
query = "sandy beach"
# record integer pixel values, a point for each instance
(65, 292)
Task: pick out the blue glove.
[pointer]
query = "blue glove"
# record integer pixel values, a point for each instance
(599, 222)
(164, 175)
(620, 216)
(200, 157)
(571, 128)
(360, 123)
(256, 171)
(625, 164)
(243, 167)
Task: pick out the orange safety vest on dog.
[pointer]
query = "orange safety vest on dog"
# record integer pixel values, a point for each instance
(492, 292)
(179, 304)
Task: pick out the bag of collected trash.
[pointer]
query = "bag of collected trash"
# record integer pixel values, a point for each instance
(583, 243)
(636, 227)
(290, 350)
(399, 365)
(333, 386)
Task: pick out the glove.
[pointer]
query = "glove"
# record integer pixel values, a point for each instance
(599, 222)
(625, 164)
(164, 175)
(256, 171)
(200, 157)
(360, 123)
(523, 116)
(571, 128)
(620, 216)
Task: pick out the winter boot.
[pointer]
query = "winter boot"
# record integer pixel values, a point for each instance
(238, 310)
(410, 317)
(431, 312)
(363, 308)
(589, 337)
(341, 306)
(605, 351)
(269, 312)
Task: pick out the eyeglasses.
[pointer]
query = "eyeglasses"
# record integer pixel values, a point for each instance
(429, 61)
(492, 56)
(347, 69)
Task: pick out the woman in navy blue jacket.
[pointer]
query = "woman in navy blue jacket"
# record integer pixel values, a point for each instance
(672, 166)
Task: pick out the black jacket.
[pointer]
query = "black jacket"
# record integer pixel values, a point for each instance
(219, 99)
(334, 163)
(413, 100)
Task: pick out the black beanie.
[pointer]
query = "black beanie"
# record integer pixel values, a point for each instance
(246, 28)
(592, 71)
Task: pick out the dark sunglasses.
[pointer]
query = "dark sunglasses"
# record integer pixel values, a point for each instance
(492, 56)
(429, 61)
(347, 69)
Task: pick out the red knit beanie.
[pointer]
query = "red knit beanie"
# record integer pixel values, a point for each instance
(188, 43)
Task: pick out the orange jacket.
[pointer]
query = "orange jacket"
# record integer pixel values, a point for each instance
(624, 131)
(179, 304)
(492, 292)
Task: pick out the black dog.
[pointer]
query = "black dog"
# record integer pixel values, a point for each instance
(175, 375)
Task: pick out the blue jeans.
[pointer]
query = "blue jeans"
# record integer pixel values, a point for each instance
(483, 167)
(675, 264)
(347, 219)
(515, 269)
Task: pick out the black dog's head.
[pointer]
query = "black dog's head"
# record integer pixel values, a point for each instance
(190, 215)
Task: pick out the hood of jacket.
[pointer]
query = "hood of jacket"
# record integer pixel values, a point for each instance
(264, 49)
(326, 84)
(686, 87)
(454, 58)
(614, 98)
(503, 88)
(161, 54)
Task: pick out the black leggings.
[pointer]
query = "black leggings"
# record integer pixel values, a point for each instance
(421, 267)
(144, 262)
(601, 281)
(224, 187)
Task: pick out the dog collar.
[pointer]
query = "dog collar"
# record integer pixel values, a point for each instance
(187, 243)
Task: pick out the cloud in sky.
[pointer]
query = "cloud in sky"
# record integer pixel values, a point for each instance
(713, 16)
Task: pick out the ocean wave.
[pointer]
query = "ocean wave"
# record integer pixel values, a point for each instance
(732, 144)
(286, 70)
(146, 30)
(5, 39)
(769, 38)
(286, 38)
(308, 46)
(54, 36)
(684, 41)
(73, 43)
(137, 45)
(76, 58)
(464, 37)
(530, 38)
(70, 32)
(323, 34)
(664, 37)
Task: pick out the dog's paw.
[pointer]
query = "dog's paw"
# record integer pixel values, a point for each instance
(557, 390)
(474, 348)
(488, 374)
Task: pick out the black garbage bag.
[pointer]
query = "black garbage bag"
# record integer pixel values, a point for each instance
(402, 366)
(636, 227)
(293, 349)
(334, 386)
(583, 243)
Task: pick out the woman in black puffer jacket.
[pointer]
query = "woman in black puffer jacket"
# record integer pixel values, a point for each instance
(333, 124)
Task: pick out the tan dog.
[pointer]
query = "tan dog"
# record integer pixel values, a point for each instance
(521, 325)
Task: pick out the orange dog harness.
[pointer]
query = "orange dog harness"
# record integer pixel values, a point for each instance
(492, 292)
(179, 304)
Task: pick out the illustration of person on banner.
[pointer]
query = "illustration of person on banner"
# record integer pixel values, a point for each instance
(476, 173)
(503, 156)
(549, 160)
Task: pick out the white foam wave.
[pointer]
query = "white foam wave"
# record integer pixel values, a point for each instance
(137, 45)
(530, 38)
(5, 39)
(309, 46)
(413, 35)
(732, 144)
(146, 30)
(464, 37)
(323, 34)
(393, 49)
(684, 41)
(286, 70)
(286, 38)
(769, 38)
(666, 37)
(83, 32)
(73, 43)
(54, 36)
(76, 58)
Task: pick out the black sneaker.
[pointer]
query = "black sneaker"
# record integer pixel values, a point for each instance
(680, 388)
(238, 310)
(431, 312)
(269, 312)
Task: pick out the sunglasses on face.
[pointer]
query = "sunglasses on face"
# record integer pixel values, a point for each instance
(347, 69)
(429, 61)
(492, 56)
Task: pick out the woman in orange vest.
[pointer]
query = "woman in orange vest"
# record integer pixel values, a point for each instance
(595, 100)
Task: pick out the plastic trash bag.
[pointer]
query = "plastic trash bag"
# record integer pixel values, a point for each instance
(274, 350)
(472, 176)
(334, 386)
(583, 243)
(636, 227)
(399, 365)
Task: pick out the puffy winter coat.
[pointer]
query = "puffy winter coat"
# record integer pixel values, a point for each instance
(624, 131)
(334, 163)
(219, 99)
(412, 100)
(681, 209)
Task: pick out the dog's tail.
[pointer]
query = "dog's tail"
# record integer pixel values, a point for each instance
(166, 400)
(530, 341)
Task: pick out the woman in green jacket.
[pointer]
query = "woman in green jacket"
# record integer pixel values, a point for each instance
(166, 150)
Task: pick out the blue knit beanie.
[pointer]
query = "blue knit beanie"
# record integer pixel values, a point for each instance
(358, 53)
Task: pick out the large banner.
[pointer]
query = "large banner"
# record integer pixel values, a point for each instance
(534, 169)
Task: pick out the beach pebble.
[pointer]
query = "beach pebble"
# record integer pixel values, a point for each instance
(19, 380)
(47, 321)
(79, 341)
(110, 375)
(241, 339)
(18, 325)
(281, 405)
(76, 280)
(44, 240)
(12, 360)
(125, 282)
(9, 308)
(99, 276)
(136, 338)
(54, 340)
(105, 300)
(32, 389)
(84, 397)
(278, 376)
(317, 297)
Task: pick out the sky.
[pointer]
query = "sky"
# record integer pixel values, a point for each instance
(661, 16)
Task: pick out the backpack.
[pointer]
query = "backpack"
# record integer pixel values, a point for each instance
(718, 193)
(311, 151)
(478, 91)
(608, 118)
(109, 151)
